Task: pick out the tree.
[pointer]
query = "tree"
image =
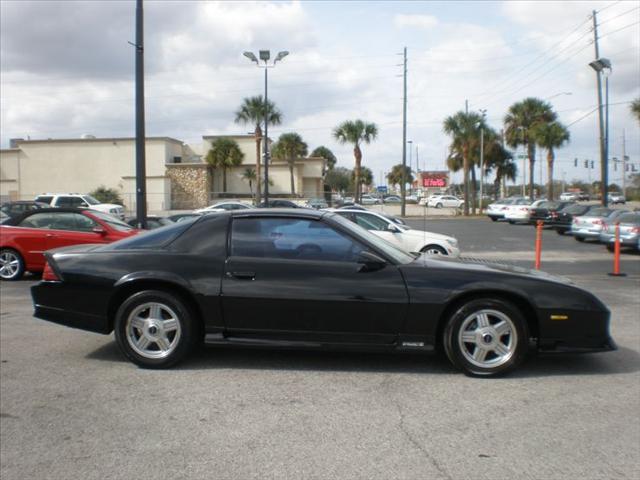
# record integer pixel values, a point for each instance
(249, 175)
(464, 129)
(520, 122)
(338, 179)
(252, 111)
(224, 153)
(499, 159)
(395, 177)
(290, 147)
(327, 154)
(550, 136)
(635, 108)
(107, 195)
(366, 178)
(356, 132)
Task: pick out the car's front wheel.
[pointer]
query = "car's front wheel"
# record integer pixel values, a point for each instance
(155, 329)
(434, 250)
(438, 205)
(486, 337)
(11, 264)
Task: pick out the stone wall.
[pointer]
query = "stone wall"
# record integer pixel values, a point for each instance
(189, 185)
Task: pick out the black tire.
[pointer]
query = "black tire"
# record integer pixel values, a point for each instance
(494, 364)
(438, 205)
(493, 219)
(611, 247)
(9, 260)
(435, 250)
(511, 222)
(188, 330)
(560, 231)
(579, 239)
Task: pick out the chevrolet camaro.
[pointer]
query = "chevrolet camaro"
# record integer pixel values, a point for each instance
(310, 279)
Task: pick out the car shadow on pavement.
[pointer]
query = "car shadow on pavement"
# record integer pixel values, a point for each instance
(622, 361)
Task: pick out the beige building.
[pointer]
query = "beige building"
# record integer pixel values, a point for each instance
(177, 175)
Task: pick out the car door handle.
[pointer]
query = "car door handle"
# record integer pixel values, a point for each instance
(242, 275)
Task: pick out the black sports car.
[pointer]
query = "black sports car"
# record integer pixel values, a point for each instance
(563, 219)
(309, 279)
(547, 211)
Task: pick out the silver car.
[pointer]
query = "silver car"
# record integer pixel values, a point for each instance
(589, 226)
(629, 231)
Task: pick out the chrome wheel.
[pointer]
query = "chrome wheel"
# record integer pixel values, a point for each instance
(487, 338)
(153, 330)
(10, 264)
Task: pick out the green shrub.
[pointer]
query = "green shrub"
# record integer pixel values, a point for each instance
(107, 195)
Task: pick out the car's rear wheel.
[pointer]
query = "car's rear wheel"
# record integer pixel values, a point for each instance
(560, 231)
(486, 337)
(434, 250)
(493, 219)
(11, 264)
(579, 239)
(155, 329)
(611, 247)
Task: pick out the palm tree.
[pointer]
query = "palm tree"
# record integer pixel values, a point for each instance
(498, 158)
(464, 129)
(252, 111)
(395, 177)
(249, 175)
(520, 122)
(327, 154)
(290, 147)
(356, 132)
(224, 153)
(635, 108)
(550, 136)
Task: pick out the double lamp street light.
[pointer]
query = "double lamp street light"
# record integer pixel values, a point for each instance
(264, 56)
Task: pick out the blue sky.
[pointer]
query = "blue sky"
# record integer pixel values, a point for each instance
(66, 69)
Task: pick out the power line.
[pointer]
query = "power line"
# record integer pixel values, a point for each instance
(608, 6)
(617, 30)
(617, 16)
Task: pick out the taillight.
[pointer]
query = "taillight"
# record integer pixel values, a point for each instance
(523, 209)
(598, 222)
(554, 215)
(48, 275)
(635, 230)
(605, 227)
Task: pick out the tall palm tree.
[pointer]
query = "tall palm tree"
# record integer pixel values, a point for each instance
(356, 132)
(464, 129)
(224, 153)
(551, 136)
(290, 147)
(252, 111)
(499, 159)
(327, 154)
(395, 176)
(635, 108)
(249, 175)
(366, 178)
(520, 122)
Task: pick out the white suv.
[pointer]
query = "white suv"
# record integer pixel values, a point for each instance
(77, 200)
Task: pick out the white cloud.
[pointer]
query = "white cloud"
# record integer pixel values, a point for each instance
(419, 21)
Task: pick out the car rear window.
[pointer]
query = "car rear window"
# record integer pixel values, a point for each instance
(633, 218)
(599, 212)
(44, 199)
(152, 239)
(573, 209)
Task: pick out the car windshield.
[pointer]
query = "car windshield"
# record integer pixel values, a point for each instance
(113, 222)
(90, 200)
(399, 256)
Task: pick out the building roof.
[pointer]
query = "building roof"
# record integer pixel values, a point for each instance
(17, 141)
(207, 137)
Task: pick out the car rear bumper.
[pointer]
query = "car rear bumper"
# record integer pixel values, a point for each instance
(47, 301)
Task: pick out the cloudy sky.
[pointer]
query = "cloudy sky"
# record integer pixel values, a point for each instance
(67, 69)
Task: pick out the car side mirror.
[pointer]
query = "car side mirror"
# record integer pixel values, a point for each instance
(370, 262)
(392, 228)
(99, 230)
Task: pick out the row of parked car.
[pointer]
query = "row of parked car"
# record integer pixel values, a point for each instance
(582, 221)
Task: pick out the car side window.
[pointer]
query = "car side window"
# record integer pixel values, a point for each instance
(83, 223)
(39, 220)
(289, 238)
(371, 222)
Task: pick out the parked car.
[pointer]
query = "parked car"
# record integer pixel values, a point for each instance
(3, 217)
(616, 197)
(440, 201)
(495, 211)
(352, 206)
(629, 231)
(570, 196)
(563, 219)
(23, 239)
(223, 280)
(547, 211)
(15, 209)
(589, 225)
(584, 197)
(153, 222)
(224, 206)
(519, 210)
(181, 217)
(410, 240)
(77, 200)
(279, 204)
(394, 199)
(317, 203)
(369, 200)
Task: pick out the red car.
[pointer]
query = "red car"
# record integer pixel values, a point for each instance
(24, 239)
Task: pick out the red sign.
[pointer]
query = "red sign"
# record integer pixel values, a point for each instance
(435, 179)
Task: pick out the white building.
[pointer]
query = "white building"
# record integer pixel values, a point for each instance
(177, 175)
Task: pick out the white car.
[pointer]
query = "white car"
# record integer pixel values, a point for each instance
(402, 236)
(520, 210)
(223, 207)
(570, 197)
(495, 211)
(369, 200)
(78, 200)
(440, 201)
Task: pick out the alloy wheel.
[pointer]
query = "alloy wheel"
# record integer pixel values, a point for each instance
(487, 338)
(9, 265)
(153, 330)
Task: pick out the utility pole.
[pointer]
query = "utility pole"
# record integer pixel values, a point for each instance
(403, 189)
(265, 149)
(417, 160)
(484, 112)
(624, 166)
(141, 175)
(603, 152)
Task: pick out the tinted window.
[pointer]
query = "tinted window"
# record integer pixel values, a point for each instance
(70, 202)
(59, 221)
(600, 212)
(575, 209)
(633, 218)
(44, 199)
(38, 220)
(113, 222)
(289, 238)
(371, 222)
(153, 238)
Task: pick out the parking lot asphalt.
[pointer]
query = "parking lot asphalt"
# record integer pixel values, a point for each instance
(72, 408)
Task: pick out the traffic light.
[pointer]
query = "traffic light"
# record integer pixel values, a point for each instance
(575, 162)
(592, 164)
(586, 164)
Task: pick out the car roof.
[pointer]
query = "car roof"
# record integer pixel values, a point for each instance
(19, 218)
